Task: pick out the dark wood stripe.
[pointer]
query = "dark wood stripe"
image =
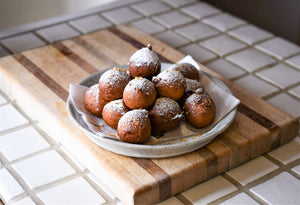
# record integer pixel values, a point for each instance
(94, 51)
(42, 76)
(163, 179)
(75, 58)
(211, 160)
(263, 121)
(134, 42)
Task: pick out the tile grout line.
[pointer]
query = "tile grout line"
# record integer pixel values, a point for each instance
(27, 191)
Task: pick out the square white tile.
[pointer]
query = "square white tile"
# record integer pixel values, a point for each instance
(2, 100)
(226, 69)
(222, 45)
(67, 153)
(281, 189)
(252, 170)
(224, 21)
(280, 75)
(286, 103)
(179, 3)
(101, 185)
(10, 117)
(200, 10)
(77, 191)
(288, 152)
(297, 169)
(149, 8)
(170, 201)
(57, 32)
(168, 19)
(121, 15)
(22, 42)
(250, 34)
(198, 53)
(21, 142)
(9, 187)
(196, 31)
(90, 23)
(148, 26)
(25, 201)
(240, 199)
(171, 38)
(278, 47)
(295, 91)
(256, 86)
(250, 59)
(294, 61)
(43, 168)
(209, 191)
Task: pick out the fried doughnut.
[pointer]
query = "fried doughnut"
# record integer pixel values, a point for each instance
(165, 116)
(113, 111)
(145, 63)
(94, 102)
(188, 71)
(139, 93)
(112, 83)
(134, 126)
(199, 109)
(170, 83)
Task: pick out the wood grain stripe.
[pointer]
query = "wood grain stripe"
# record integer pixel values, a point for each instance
(163, 179)
(94, 51)
(211, 160)
(42, 76)
(75, 58)
(263, 121)
(134, 42)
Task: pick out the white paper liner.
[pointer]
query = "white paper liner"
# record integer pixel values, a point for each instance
(224, 101)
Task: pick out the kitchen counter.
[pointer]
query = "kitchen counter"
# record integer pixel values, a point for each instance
(35, 168)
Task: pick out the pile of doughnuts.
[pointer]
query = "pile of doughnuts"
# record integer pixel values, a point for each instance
(143, 100)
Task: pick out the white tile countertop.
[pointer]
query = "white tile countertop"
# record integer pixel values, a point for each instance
(35, 169)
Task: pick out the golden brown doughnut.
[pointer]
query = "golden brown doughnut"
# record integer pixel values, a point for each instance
(188, 71)
(134, 126)
(94, 102)
(113, 111)
(139, 93)
(165, 116)
(145, 63)
(112, 83)
(170, 83)
(199, 109)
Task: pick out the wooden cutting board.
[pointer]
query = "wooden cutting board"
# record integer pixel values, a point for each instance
(39, 80)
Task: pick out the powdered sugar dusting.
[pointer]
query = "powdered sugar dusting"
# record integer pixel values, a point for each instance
(140, 84)
(165, 106)
(192, 85)
(199, 99)
(116, 106)
(144, 56)
(115, 76)
(137, 118)
(95, 94)
(170, 76)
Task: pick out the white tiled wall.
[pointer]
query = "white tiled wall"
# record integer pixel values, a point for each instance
(34, 169)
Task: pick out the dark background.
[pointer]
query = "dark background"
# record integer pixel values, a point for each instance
(280, 17)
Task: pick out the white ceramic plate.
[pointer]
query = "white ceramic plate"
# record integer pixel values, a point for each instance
(157, 149)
